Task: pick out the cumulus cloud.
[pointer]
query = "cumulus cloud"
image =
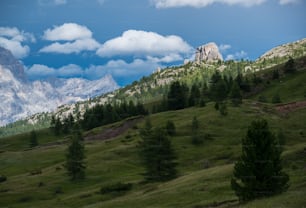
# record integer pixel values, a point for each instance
(236, 56)
(224, 47)
(203, 3)
(119, 69)
(72, 47)
(146, 44)
(67, 32)
(78, 38)
(12, 39)
(285, 2)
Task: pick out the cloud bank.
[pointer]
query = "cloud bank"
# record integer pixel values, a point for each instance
(78, 38)
(162, 4)
(12, 39)
(146, 44)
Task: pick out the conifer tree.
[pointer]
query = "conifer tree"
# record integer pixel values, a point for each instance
(235, 94)
(157, 154)
(75, 164)
(33, 139)
(170, 128)
(258, 173)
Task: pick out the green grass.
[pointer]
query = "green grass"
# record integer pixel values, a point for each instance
(204, 171)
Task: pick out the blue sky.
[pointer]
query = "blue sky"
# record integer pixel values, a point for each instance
(131, 38)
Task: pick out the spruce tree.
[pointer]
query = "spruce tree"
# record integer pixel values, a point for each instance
(33, 139)
(75, 158)
(258, 173)
(157, 154)
(235, 94)
(170, 128)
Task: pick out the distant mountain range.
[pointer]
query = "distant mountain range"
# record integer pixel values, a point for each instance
(21, 98)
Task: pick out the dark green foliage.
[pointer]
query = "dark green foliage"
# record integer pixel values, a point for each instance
(290, 66)
(157, 154)
(195, 137)
(223, 109)
(275, 74)
(235, 94)
(75, 158)
(262, 99)
(2, 178)
(116, 188)
(218, 88)
(177, 96)
(276, 98)
(106, 114)
(195, 95)
(258, 173)
(33, 139)
(170, 128)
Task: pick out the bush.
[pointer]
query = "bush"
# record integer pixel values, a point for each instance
(116, 188)
(262, 99)
(2, 178)
(276, 98)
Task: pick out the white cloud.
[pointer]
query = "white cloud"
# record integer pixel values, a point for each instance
(146, 44)
(224, 47)
(67, 32)
(203, 3)
(119, 69)
(51, 2)
(78, 37)
(12, 39)
(236, 56)
(285, 2)
(71, 47)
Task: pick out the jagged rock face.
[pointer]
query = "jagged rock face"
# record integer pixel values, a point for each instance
(21, 98)
(208, 53)
(7, 60)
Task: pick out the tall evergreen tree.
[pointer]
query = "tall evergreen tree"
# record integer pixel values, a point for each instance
(235, 94)
(195, 135)
(170, 128)
(157, 154)
(75, 164)
(258, 173)
(195, 95)
(177, 96)
(33, 139)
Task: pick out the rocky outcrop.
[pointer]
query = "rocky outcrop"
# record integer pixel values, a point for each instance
(208, 53)
(7, 60)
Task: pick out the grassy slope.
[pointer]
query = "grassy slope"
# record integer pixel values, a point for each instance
(205, 170)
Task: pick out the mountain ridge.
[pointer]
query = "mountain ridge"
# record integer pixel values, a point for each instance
(23, 98)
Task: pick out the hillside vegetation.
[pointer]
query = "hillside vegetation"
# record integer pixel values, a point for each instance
(36, 176)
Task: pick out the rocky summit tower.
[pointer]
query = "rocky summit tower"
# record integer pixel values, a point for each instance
(208, 53)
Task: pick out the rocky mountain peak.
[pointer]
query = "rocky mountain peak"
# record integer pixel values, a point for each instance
(7, 60)
(208, 53)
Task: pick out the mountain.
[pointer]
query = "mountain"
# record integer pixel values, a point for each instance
(152, 89)
(7, 60)
(294, 49)
(22, 98)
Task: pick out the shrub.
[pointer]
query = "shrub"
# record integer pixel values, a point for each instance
(116, 188)
(2, 178)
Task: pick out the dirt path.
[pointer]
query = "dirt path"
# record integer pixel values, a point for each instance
(289, 107)
(114, 131)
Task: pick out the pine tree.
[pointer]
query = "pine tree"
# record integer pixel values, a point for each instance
(235, 94)
(258, 173)
(75, 158)
(170, 128)
(157, 154)
(33, 139)
(195, 135)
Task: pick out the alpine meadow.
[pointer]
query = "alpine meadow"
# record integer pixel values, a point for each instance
(155, 103)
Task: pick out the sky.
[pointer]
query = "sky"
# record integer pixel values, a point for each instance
(132, 38)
